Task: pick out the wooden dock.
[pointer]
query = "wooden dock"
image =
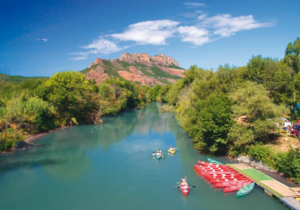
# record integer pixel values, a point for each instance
(272, 187)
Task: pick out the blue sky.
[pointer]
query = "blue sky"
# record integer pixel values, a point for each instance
(39, 38)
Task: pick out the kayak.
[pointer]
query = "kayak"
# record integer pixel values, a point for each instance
(210, 164)
(231, 183)
(235, 187)
(214, 181)
(245, 190)
(172, 152)
(214, 161)
(158, 156)
(185, 192)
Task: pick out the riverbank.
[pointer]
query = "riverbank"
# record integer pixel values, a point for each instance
(28, 143)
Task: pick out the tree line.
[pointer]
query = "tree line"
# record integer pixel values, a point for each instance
(236, 110)
(37, 105)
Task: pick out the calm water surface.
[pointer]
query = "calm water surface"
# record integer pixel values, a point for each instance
(111, 167)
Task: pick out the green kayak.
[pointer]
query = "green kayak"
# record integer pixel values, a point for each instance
(245, 190)
(214, 161)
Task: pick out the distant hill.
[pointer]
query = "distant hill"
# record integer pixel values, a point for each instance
(158, 69)
(9, 78)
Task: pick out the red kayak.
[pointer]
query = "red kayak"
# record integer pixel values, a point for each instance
(236, 187)
(185, 192)
(206, 164)
(214, 175)
(231, 183)
(225, 176)
(213, 181)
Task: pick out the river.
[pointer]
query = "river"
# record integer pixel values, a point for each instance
(111, 167)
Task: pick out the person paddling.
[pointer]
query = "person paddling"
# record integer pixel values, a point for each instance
(172, 149)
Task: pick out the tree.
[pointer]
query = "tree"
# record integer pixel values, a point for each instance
(72, 94)
(208, 122)
(292, 53)
(252, 100)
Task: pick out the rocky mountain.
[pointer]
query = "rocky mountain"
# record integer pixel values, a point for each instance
(142, 68)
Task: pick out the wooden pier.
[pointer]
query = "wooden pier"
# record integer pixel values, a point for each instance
(272, 187)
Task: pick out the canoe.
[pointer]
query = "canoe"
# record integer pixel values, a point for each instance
(214, 181)
(245, 190)
(172, 152)
(185, 192)
(214, 161)
(210, 164)
(231, 183)
(235, 187)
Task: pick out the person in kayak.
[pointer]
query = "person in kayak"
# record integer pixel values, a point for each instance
(183, 180)
(185, 187)
(172, 149)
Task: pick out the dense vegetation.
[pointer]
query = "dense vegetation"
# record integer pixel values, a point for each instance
(67, 98)
(210, 106)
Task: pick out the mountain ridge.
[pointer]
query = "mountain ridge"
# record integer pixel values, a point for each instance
(136, 67)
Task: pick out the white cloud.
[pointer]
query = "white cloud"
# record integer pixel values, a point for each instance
(225, 25)
(102, 46)
(207, 29)
(79, 58)
(43, 40)
(99, 46)
(194, 5)
(195, 35)
(148, 32)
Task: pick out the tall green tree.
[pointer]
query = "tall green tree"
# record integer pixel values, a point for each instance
(72, 94)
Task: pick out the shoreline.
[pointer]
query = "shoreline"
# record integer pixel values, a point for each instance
(28, 143)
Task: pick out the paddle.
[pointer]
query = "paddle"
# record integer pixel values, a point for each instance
(189, 187)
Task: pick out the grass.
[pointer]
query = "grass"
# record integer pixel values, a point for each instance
(175, 67)
(257, 174)
(160, 73)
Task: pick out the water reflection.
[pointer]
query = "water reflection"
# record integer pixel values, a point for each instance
(59, 151)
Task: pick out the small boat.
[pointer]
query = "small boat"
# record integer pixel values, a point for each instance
(158, 155)
(172, 151)
(185, 192)
(230, 183)
(245, 190)
(235, 187)
(214, 161)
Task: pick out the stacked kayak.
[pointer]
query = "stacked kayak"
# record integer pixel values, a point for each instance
(223, 176)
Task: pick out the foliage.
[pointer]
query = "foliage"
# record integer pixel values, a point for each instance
(251, 100)
(67, 98)
(292, 54)
(72, 94)
(208, 122)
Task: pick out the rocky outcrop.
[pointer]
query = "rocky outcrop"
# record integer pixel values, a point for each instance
(172, 71)
(100, 70)
(163, 60)
(143, 58)
(97, 74)
(143, 79)
(158, 60)
(134, 70)
(97, 61)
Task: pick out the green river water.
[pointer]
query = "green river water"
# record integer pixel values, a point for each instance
(111, 167)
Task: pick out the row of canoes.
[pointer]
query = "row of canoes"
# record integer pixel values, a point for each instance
(223, 176)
